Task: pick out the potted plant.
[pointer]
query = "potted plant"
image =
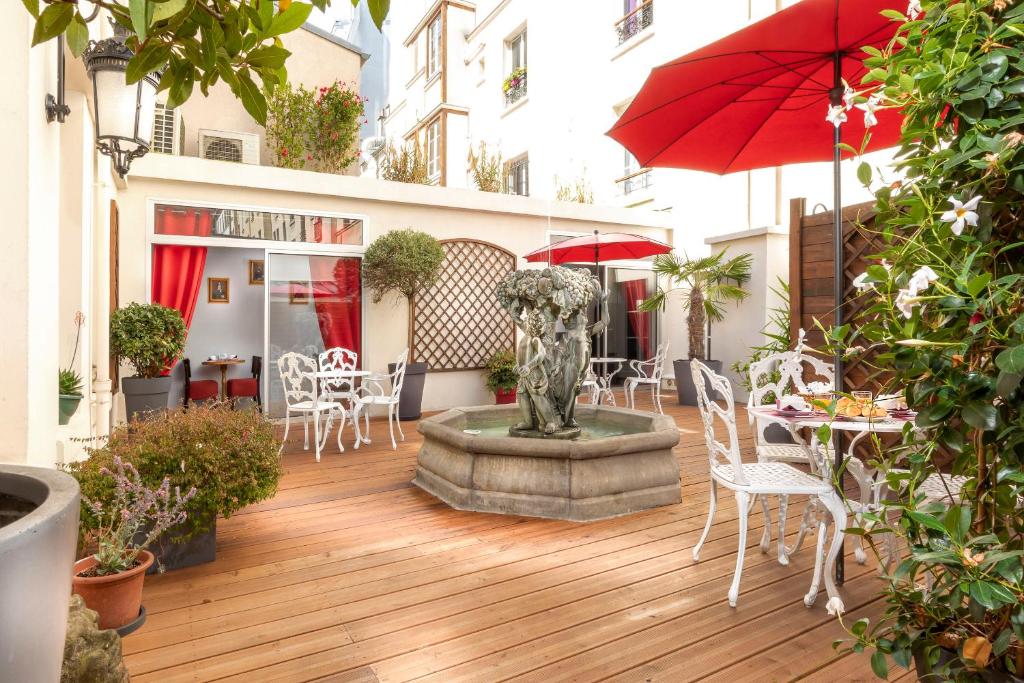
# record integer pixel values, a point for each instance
(943, 313)
(69, 382)
(150, 337)
(406, 262)
(503, 377)
(707, 284)
(229, 456)
(110, 581)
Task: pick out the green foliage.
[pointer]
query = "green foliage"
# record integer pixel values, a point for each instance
(196, 41)
(513, 80)
(502, 371)
(405, 261)
(69, 382)
(149, 336)
(320, 127)
(486, 169)
(776, 333)
(574, 191)
(405, 165)
(229, 456)
(945, 312)
(707, 284)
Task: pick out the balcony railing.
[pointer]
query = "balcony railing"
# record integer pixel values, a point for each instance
(515, 86)
(634, 182)
(635, 22)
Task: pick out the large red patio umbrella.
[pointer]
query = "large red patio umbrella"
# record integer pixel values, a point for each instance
(607, 246)
(760, 96)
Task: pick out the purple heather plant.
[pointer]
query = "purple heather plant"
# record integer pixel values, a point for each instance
(135, 508)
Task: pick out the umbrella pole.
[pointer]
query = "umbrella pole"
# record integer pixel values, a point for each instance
(836, 99)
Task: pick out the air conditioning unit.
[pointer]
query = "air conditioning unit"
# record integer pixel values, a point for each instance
(168, 131)
(224, 145)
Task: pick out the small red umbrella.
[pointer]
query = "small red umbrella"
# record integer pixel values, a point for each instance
(608, 246)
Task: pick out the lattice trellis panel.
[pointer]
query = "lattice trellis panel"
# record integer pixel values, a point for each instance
(457, 323)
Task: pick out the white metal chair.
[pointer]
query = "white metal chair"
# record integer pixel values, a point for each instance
(647, 372)
(298, 379)
(589, 385)
(759, 479)
(372, 393)
(338, 389)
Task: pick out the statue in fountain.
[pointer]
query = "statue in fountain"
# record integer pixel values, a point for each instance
(552, 363)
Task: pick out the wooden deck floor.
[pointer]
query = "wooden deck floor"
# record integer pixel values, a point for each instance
(352, 574)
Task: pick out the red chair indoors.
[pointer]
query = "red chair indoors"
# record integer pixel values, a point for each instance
(198, 390)
(248, 387)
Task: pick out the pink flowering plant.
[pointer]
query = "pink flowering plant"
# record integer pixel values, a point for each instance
(135, 511)
(316, 129)
(339, 113)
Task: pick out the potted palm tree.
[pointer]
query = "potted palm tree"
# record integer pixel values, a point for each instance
(707, 284)
(150, 337)
(406, 262)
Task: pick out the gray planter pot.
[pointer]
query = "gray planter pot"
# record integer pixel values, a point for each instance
(685, 389)
(199, 549)
(144, 394)
(411, 400)
(38, 533)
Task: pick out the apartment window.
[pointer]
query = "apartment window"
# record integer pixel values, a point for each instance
(634, 177)
(637, 15)
(434, 46)
(517, 51)
(517, 176)
(434, 149)
(514, 86)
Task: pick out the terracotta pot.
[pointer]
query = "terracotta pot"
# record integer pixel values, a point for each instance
(118, 597)
(503, 396)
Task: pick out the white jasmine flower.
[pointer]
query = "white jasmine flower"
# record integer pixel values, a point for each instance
(835, 606)
(848, 95)
(836, 115)
(861, 283)
(921, 280)
(914, 9)
(962, 213)
(869, 108)
(906, 301)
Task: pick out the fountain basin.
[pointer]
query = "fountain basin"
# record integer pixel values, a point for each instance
(622, 463)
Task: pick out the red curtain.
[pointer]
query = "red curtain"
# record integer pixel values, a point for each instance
(635, 291)
(337, 296)
(178, 270)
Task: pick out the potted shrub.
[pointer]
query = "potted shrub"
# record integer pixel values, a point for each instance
(405, 262)
(150, 337)
(945, 313)
(110, 581)
(229, 456)
(707, 284)
(69, 382)
(503, 377)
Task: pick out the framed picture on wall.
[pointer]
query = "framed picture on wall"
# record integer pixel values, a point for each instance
(298, 292)
(218, 290)
(256, 276)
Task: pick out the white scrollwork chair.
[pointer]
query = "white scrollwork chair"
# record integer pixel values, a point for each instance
(298, 379)
(758, 479)
(590, 386)
(372, 393)
(647, 372)
(339, 389)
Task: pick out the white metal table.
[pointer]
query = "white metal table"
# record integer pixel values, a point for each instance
(331, 374)
(860, 429)
(604, 377)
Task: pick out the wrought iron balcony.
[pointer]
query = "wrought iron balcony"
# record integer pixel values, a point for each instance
(515, 86)
(635, 22)
(636, 181)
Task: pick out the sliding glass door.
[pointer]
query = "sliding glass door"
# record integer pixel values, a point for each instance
(632, 333)
(314, 302)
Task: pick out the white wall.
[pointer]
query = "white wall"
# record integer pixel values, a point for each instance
(217, 328)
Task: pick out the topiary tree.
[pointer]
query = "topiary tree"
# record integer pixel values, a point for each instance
(945, 315)
(149, 336)
(403, 261)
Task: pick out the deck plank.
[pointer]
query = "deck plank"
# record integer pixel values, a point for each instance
(350, 574)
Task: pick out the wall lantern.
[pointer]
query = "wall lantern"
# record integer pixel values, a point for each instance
(124, 113)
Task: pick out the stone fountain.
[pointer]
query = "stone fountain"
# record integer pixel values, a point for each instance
(549, 456)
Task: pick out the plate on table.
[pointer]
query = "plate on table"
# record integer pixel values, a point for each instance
(861, 418)
(902, 414)
(793, 413)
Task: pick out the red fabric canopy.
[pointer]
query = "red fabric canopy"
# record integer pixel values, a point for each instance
(759, 97)
(608, 246)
